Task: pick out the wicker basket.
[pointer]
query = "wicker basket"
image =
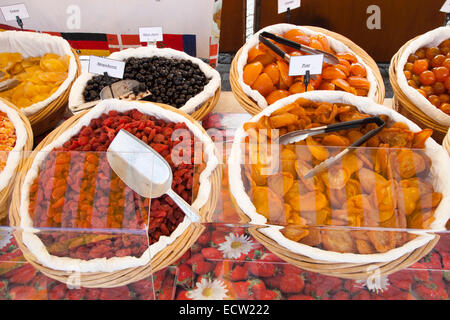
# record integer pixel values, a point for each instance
(198, 107)
(5, 193)
(403, 105)
(252, 107)
(347, 270)
(343, 270)
(162, 259)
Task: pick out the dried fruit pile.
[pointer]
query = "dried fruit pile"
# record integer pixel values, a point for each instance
(39, 77)
(268, 73)
(171, 81)
(428, 70)
(7, 138)
(388, 185)
(80, 190)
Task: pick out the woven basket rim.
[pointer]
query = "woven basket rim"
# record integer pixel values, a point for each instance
(252, 107)
(403, 102)
(122, 277)
(5, 193)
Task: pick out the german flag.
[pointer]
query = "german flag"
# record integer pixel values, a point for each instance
(95, 44)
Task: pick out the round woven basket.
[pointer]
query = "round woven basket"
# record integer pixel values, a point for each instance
(343, 270)
(403, 105)
(6, 192)
(49, 117)
(252, 107)
(207, 107)
(347, 270)
(159, 261)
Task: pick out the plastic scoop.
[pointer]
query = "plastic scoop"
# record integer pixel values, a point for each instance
(143, 170)
(8, 84)
(115, 90)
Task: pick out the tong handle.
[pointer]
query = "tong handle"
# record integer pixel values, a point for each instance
(354, 124)
(281, 40)
(273, 47)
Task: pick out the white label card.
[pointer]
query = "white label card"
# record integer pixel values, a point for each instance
(283, 5)
(11, 12)
(300, 64)
(446, 7)
(150, 34)
(99, 65)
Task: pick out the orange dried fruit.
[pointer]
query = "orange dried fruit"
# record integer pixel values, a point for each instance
(269, 204)
(285, 80)
(299, 87)
(316, 44)
(342, 84)
(347, 56)
(358, 70)
(359, 82)
(382, 240)
(276, 95)
(263, 84)
(254, 52)
(273, 72)
(331, 73)
(294, 233)
(251, 72)
(327, 85)
(280, 183)
(338, 241)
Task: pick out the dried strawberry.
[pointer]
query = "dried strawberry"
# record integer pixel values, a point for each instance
(239, 273)
(75, 294)
(242, 289)
(116, 293)
(185, 275)
(271, 295)
(301, 297)
(22, 293)
(202, 267)
(291, 283)
(212, 253)
(262, 269)
(183, 295)
(57, 292)
(23, 275)
(257, 287)
(204, 238)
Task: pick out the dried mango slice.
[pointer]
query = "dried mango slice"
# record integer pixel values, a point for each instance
(338, 241)
(280, 183)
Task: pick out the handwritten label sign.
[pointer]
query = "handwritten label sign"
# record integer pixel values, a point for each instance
(446, 7)
(283, 5)
(150, 34)
(114, 68)
(16, 10)
(300, 64)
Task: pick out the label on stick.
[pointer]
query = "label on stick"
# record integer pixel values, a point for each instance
(150, 34)
(283, 5)
(11, 12)
(99, 65)
(300, 64)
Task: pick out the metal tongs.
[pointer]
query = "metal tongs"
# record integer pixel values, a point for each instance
(299, 135)
(263, 36)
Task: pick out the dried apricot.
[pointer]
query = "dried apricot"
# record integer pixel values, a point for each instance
(263, 84)
(252, 72)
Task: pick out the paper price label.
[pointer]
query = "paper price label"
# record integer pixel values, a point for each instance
(150, 34)
(283, 5)
(300, 64)
(99, 65)
(446, 7)
(16, 10)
